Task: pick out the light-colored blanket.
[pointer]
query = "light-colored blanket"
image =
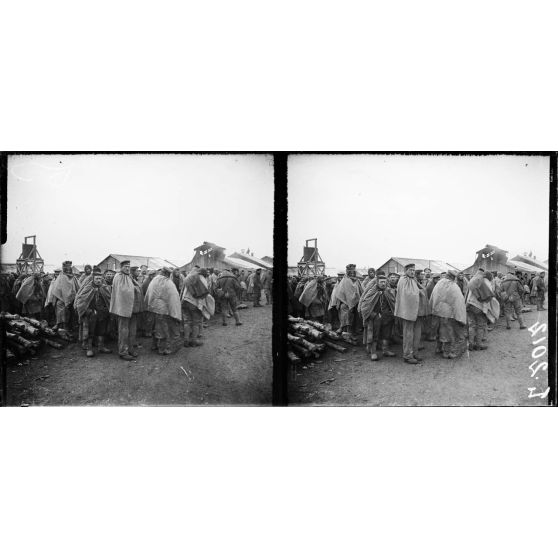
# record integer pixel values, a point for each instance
(162, 298)
(65, 289)
(122, 299)
(447, 301)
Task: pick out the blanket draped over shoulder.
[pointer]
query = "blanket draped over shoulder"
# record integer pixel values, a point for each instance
(309, 293)
(346, 292)
(65, 289)
(480, 288)
(85, 295)
(27, 289)
(194, 285)
(162, 298)
(447, 301)
(122, 299)
(196, 292)
(370, 297)
(407, 299)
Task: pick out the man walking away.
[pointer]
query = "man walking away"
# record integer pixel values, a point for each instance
(227, 289)
(511, 295)
(448, 305)
(478, 293)
(163, 302)
(193, 294)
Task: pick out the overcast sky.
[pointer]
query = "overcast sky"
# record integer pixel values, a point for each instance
(365, 209)
(84, 207)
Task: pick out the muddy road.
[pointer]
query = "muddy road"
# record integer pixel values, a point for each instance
(233, 367)
(497, 376)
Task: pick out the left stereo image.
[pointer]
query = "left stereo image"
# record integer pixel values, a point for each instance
(137, 279)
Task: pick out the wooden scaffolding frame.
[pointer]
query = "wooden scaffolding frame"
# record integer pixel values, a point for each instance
(311, 264)
(30, 260)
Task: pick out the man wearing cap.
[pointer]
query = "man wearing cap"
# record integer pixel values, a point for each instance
(125, 303)
(376, 307)
(227, 290)
(370, 277)
(448, 306)
(63, 294)
(92, 304)
(411, 305)
(345, 297)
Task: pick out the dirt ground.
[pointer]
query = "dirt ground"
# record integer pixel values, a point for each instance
(233, 367)
(497, 376)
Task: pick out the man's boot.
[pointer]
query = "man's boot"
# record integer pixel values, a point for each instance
(237, 318)
(521, 322)
(373, 355)
(479, 345)
(90, 352)
(102, 348)
(187, 334)
(164, 347)
(194, 341)
(385, 349)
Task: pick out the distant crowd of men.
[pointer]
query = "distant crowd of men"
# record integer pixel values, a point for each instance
(164, 304)
(454, 309)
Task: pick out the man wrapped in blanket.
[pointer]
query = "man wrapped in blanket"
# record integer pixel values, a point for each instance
(345, 297)
(448, 306)
(163, 302)
(92, 305)
(62, 296)
(314, 299)
(377, 305)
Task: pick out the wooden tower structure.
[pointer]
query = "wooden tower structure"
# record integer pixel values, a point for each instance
(311, 264)
(30, 260)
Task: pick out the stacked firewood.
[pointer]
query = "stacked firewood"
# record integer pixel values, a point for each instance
(25, 336)
(308, 339)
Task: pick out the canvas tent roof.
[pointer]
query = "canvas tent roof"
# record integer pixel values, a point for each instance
(436, 266)
(235, 262)
(529, 261)
(522, 266)
(253, 260)
(149, 261)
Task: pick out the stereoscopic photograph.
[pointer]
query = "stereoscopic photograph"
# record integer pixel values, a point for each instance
(418, 280)
(138, 279)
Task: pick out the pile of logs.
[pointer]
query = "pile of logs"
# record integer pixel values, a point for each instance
(25, 336)
(308, 339)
